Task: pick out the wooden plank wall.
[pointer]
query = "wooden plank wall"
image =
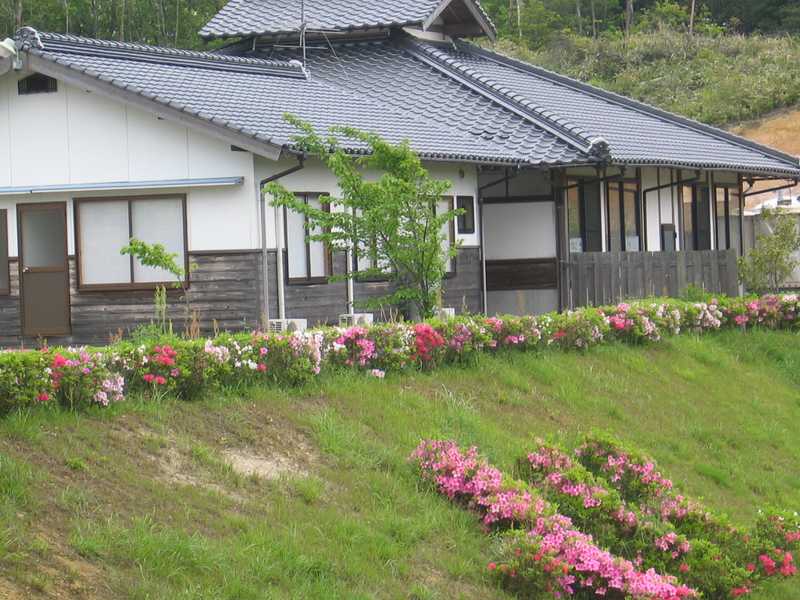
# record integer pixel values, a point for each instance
(597, 278)
(226, 293)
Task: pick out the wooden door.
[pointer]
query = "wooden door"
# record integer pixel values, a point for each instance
(43, 269)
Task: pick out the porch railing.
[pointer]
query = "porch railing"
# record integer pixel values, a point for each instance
(597, 278)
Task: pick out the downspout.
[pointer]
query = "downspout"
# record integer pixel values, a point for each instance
(264, 250)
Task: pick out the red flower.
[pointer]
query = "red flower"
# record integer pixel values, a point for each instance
(43, 397)
(492, 566)
(684, 568)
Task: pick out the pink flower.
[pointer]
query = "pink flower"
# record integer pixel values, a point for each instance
(149, 377)
(43, 397)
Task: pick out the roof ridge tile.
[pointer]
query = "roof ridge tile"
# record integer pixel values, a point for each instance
(576, 135)
(32, 40)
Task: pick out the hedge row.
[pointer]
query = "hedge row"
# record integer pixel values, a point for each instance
(79, 376)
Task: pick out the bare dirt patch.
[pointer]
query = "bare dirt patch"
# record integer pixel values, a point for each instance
(250, 464)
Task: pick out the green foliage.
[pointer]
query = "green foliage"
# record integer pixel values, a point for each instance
(157, 256)
(767, 266)
(154, 255)
(393, 219)
(716, 79)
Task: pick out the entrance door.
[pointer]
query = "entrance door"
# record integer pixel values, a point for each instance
(43, 268)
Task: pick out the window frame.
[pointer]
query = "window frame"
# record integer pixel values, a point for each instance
(5, 291)
(580, 183)
(308, 280)
(461, 219)
(698, 189)
(637, 212)
(727, 187)
(132, 286)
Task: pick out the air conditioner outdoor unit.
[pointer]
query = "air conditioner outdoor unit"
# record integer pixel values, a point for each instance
(287, 325)
(354, 319)
(446, 313)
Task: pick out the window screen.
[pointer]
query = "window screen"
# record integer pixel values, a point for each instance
(104, 228)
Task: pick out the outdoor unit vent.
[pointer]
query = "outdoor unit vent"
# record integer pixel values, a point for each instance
(287, 325)
(354, 319)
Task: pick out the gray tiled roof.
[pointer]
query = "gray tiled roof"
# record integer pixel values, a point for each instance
(635, 132)
(240, 18)
(253, 103)
(451, 103)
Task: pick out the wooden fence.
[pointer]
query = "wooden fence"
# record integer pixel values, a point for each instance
(597, 278)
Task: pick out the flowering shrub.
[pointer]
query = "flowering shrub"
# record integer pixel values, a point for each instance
(549, 555)
(186, 368)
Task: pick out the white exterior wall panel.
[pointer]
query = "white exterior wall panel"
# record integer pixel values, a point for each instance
(74, 137)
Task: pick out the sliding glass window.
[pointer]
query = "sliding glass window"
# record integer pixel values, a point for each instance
(584, 217)
(727, 214)
(696, 218)
(622, 207)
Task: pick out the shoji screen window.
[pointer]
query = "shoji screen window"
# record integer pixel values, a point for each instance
(103, 226)
(306, 261)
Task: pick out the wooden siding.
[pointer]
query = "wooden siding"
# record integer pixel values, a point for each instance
(226, 293)
(597, 278)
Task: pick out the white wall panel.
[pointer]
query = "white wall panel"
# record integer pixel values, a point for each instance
(38, 136)
(158, 148)
(221, 218)
(519, 230)
(98, 138)
(5, 131)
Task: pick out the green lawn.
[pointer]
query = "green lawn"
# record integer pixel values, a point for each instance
(152, 500)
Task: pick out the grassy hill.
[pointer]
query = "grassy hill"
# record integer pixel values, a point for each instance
(721, 80)
(307, 493)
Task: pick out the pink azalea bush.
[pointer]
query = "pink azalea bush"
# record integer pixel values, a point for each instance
(548, 554)
(719, 558)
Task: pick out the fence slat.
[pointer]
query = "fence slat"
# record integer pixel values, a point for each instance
(597, 278)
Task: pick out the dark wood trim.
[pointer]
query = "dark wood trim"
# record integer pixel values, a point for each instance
(518, 199)
(5, 264)
(522, 274)
(133, 285)
(22, 208)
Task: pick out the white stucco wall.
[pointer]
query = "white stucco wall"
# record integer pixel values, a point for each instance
(76, 137)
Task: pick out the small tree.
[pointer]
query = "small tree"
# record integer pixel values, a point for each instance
(392, 219)
(767, 266)
(157, 256)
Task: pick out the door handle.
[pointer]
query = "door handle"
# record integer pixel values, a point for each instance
(26, 270)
